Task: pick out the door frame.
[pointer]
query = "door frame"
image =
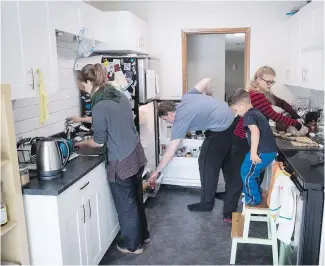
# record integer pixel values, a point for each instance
(186, 32)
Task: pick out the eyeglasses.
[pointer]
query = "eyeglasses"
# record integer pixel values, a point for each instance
(269, 82)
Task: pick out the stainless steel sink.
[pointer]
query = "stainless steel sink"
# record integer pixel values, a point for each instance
(89, 151)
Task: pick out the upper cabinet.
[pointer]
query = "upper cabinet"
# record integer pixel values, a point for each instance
(65, 16)
(28, 44)
(311, 21)
(92, 19)
(124, 32)
(305, 48)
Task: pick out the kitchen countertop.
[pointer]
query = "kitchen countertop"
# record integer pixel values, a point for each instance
(286, 145)
(75, 170)
(302, 161)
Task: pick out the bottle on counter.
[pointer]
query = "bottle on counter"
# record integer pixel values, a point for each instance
(4, 216)
(24, 174)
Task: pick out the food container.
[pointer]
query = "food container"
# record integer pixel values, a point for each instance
(312, 127)
(24, 175)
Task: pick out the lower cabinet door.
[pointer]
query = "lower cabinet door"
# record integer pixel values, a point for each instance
(74, 237)
(108, 216)
(92, 227)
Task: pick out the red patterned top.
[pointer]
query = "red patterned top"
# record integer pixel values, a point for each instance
(260, 102)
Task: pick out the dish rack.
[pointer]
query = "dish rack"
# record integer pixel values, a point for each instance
(25, 155)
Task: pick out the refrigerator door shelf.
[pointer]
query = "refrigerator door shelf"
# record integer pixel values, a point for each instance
(185, 142)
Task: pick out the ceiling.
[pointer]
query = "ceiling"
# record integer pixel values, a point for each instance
(235, 42)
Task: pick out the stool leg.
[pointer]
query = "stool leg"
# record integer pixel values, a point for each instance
(274, 243)
(233, 251)
(246, 223)
(269, 234)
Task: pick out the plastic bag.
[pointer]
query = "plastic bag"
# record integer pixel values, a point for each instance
(86, 43)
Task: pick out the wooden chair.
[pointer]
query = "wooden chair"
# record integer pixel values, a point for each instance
(241, 223)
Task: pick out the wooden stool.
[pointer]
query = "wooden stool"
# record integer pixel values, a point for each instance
(240, 228)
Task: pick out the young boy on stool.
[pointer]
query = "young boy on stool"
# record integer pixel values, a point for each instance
(261, 140)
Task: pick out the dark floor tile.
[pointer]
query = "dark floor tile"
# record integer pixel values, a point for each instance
(181, 237)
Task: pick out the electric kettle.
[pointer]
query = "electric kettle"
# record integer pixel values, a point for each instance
(51, 156)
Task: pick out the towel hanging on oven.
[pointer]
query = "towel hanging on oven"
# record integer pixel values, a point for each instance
(283, 205)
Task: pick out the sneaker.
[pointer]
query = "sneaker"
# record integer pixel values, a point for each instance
(146, 241)
(227, 220)
(121, 247)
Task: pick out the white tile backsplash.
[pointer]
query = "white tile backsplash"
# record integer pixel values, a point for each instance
(64, 103)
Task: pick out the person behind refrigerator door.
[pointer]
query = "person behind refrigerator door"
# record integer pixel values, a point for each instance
(198, 110)
(263, 148)
(114, 130)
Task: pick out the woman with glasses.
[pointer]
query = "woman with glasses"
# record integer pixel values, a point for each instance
(262, 98)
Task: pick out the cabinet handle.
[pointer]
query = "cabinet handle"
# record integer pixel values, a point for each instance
(83, 206)
(89, 208)
(33, 81)
(84, 185)
(303, 75)
(306, 75)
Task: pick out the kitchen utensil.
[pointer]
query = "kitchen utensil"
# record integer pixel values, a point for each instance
(312, 115)
(51, 156)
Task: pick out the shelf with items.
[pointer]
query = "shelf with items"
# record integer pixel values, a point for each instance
(14, 244)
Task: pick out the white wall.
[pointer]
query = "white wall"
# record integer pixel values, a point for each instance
(234, 77)
(206, 58)
(167, 19)
(66, 102)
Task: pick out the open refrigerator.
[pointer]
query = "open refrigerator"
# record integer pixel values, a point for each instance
(183, 170)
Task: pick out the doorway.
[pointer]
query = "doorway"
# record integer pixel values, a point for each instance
(221, 54)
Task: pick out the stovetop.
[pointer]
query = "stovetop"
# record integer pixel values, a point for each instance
(308, 167)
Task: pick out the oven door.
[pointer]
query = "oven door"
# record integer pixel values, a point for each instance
(290, 254)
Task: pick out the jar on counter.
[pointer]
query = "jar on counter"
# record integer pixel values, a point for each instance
(4, 215)
(24, 175)
(312, 127)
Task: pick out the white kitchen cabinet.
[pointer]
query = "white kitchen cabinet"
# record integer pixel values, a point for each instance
(92, 19)
(311, 69)
(124, 32)
(91, 200)
(304, 54)
(26, 27)
(292, 50)
(74, 228)
(65, 16)
(312, 26)
(13, 69)
(108, 219)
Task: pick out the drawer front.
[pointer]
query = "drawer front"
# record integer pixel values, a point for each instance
(76, 191)
(184, 168)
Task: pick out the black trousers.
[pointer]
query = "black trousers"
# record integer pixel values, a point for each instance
(215, 148)
(231, 172)
(128, 199)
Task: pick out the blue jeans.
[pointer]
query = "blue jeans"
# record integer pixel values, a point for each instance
(128, 199)
(250, 174)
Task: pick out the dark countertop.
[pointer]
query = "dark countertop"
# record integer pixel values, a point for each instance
(75, 170)
(306, 163)
(286, 145)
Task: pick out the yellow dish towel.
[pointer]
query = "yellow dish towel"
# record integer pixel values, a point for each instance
(44, 98)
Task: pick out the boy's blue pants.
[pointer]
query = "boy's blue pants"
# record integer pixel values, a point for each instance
(250, 174)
